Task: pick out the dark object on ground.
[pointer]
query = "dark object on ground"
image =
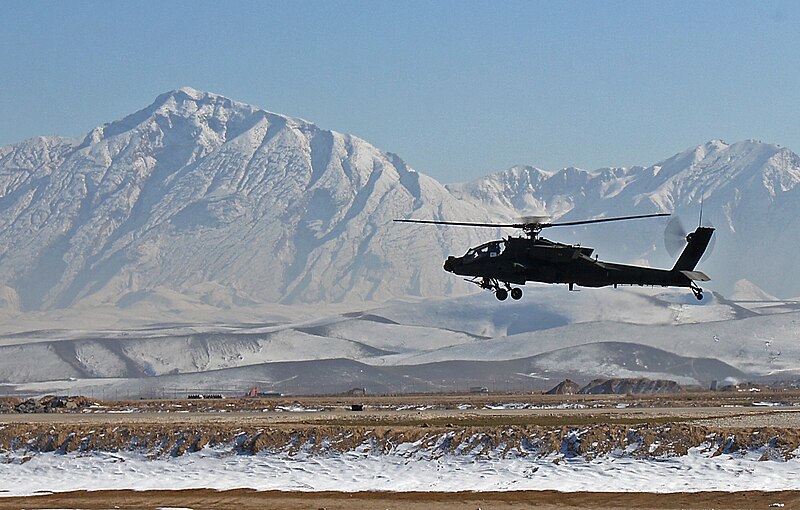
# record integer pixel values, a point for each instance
(50, 404)
(629, 386)
(565, 387)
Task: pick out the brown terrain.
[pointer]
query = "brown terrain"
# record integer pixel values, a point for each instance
(245, 499)
(674, 423)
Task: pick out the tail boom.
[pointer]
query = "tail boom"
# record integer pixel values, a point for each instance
(696, 244)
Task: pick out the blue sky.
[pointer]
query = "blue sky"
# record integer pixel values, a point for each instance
(457, 89)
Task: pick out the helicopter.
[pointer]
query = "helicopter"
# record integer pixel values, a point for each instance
(499, 265)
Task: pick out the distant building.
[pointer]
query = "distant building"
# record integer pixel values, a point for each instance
(254, 393)
(357, 392)
(478, 389)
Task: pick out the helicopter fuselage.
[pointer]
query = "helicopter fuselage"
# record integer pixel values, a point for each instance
(517, 260)
(497, 265)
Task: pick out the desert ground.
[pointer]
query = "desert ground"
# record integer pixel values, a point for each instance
(245, 499)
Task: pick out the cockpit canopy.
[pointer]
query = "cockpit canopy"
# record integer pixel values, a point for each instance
(488, 250)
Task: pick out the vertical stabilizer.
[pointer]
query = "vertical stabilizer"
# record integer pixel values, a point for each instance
(697, 242)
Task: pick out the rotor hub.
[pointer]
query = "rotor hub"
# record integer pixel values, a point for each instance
(532, 229)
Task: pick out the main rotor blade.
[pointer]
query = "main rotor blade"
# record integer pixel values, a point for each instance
(533, 225)
(464, 223)
(602, 220)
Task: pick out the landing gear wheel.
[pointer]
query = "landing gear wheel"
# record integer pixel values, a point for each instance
(516, 294)
(699, 295)
(501, 294)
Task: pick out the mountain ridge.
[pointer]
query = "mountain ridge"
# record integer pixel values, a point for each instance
(747, 190)
(232, 204)
(203, 165)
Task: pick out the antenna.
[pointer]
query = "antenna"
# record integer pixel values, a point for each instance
(702, 197)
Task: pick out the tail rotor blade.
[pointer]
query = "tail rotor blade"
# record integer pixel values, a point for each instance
(711, 243)
(675, 236)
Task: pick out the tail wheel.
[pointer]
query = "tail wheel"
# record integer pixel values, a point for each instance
(516, 293)
(501, 294)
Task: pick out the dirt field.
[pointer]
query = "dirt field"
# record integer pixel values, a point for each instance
(670, 418)
(542, 500)
(433, 402)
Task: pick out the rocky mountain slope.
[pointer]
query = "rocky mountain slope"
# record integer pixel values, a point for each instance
(221, 201)
(201, 198)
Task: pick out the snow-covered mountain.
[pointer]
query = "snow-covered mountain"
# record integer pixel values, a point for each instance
(200, 199)
(164, 248)
(748, 191)
(220, 201)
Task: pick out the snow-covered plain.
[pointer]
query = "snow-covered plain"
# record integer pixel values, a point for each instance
(401, 470)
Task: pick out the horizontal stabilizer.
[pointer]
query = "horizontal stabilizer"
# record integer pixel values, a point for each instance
(697, 276)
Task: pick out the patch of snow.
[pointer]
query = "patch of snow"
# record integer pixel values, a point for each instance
(697, 471)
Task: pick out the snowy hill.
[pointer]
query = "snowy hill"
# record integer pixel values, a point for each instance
(417, 346)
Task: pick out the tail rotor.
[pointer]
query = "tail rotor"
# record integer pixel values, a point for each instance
(675, 235)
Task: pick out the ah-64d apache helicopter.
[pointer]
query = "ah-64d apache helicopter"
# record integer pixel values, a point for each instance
(497, 265)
